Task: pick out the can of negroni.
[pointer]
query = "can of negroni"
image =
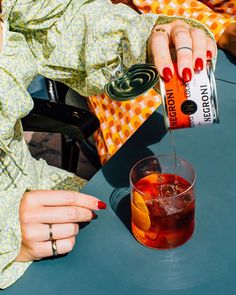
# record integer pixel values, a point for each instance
(190, 104)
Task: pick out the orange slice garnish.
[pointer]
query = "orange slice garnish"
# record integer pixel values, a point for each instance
(139, 210)
(154, 178)
(139, 202)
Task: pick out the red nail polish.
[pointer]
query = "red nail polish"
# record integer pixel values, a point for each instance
(198, 64)
(101, 205)
(209, 54)
(187, 75)
(94, 216)
(167, 74)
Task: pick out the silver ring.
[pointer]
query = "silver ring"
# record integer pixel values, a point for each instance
(184, 47)
(54, 248)
(50, 232)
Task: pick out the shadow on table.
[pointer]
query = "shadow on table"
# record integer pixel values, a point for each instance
(230, 57)
(116, 171)
(120, 204)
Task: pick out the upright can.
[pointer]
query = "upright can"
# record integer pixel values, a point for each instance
(190, 104)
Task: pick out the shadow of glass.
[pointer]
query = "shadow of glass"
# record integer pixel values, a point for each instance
(120, 204)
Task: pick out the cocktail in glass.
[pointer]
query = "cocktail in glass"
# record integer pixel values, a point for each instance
(162, 201)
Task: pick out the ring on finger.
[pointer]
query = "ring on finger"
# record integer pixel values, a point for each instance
(155, 30)
(54, 248)
(184, 47)
(50, 232)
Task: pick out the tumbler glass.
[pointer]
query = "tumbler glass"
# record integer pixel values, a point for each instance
(162, 201)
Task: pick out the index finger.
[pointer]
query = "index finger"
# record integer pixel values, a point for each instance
(182, 40)
(65, 198)
(159, 45)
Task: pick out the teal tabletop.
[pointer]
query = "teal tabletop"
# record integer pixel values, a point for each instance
(225, 68)
(108, 260)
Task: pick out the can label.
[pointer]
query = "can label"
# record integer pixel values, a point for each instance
(190, 104)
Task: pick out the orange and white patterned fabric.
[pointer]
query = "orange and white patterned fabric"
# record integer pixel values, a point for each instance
(216, 14)
(119, 120)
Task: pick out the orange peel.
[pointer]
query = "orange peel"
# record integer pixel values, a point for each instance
(140, 215)
(139, 202)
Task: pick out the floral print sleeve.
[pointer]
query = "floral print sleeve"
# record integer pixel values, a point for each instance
(18, 170)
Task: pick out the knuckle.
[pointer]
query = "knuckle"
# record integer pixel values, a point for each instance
(70, 243)
(185, 55)
(201, 33)
(211, 43)
(182, 33)
(29, 198)
(75, 229)
(85, 215)
(200, 53)
(197, 31)
(28, 234)
(179, 23)
(35, 251)
(70, 197)
(25, 217)
(72, 213)
(160, 37)
(160, 57)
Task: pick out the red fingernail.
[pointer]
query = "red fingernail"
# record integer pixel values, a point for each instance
(209, 54)
(187, 75)
(167, 74)
(101, 205)
(94, 216)
(198, 64)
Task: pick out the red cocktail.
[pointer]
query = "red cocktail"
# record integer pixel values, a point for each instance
(162, 203)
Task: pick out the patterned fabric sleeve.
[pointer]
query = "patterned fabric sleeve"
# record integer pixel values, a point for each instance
(102, 31)
(10, 237)
(14, 104)
(18, 170)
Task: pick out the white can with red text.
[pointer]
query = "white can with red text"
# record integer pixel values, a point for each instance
(190, 104)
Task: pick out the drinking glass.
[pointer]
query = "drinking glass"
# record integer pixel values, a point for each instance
(162, 201)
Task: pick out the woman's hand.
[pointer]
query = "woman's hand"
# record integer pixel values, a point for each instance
(228, 39)
(191, 45)
(49, 219)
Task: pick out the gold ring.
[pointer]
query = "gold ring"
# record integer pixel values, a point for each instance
(50, 233)
(160, 30)
(54, 248)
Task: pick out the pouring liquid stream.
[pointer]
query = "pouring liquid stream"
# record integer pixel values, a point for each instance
(173, 147)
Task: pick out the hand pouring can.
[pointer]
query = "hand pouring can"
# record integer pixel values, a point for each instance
(190, 104)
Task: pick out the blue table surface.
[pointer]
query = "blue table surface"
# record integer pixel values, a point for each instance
(108, 260)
